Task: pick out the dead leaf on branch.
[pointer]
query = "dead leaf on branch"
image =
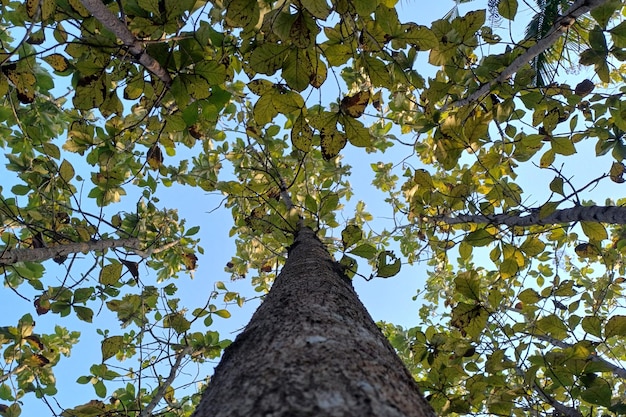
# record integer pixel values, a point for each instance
(155, 156)
(354, 106)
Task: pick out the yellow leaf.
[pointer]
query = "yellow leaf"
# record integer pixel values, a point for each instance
(58, 62)
(331, 141)
(32, 6)
(617, 172)
(301, 134)
(594, 231)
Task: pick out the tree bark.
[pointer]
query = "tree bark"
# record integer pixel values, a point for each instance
(12, 256)
(311, 349)
(119, 29)
(601, 214)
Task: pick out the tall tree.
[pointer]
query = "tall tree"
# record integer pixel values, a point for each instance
(311, 349)
(104, 104)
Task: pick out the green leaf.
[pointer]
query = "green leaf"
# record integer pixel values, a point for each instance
(556, 185)
(242, 13)
(110, 274)
(618, 34)
(350, 235)
(366, 251)
(328, 204)
(592, 325)
(111, 346)
(508, 268)
(529, 296)
(598, 393)
(20, 189)
(90, 92)
(547, 209)
(318, 8)
(302, 134)
(552, 326)
(547, 158)
(468, 25)
(349, 265)
(66, 171)
(176, 321)
(298, 69)
(480, 237)
(421, 37)
(58, 62)
(616, 326)
(356, 132)
(365, 7)
(507, 9)
(222, 313)
(465, 250)
(532, 246)
(100, 388)
(563, 146)
(388, 267)
(192, 231)
(84, 313)
(268, 57)
(594, 231)
(469, 318)
(81, 295)
(603, 13)
(468, 284)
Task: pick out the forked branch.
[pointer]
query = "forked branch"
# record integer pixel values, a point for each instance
(134, 45)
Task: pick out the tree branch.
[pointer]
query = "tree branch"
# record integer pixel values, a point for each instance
(15, 371)
(12, 256)
(560, 26)
(561, 408)
(168, 381)
(602, 214)
(119, 29)
(617, 371)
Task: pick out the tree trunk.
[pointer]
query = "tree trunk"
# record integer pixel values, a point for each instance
(311, 349)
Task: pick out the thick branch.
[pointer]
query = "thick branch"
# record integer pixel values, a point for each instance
(12, 256)
(560, 26)
(617, 371)
(602, 214)
(119, 29)
(561, 408)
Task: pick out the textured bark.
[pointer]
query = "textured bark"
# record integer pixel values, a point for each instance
(119, 29)
(12, 256)
(562, 24)
(602, 214)
(311, 349)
